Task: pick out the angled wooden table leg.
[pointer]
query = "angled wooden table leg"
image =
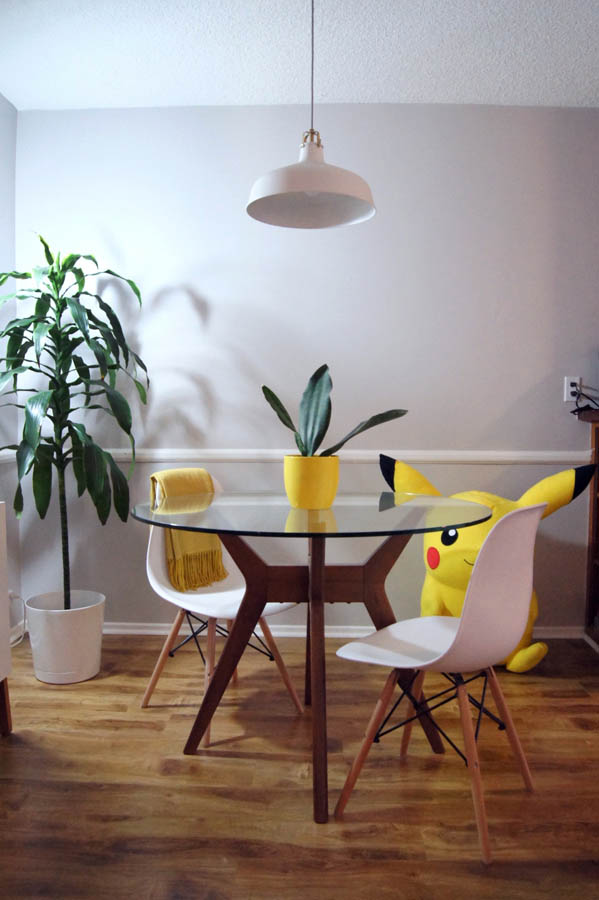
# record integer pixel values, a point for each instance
(376, 569)
(254, 570)
(5, 717)
(318, 681)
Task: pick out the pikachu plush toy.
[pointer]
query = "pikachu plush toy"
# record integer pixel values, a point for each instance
(449, 555)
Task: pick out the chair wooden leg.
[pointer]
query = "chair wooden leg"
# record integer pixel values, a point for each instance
(474, 770)
(512, 734)
(166, 648)
(235, 675)
(5, 716)
(209, 670)
(407, 728)
(373, 726)
(270, 641)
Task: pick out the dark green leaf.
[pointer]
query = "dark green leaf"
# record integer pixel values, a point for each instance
(101, 354)
(81, 368)
(120, 489)
(300, 444)
(77, 459)
(43, 305)
(47, 254)
(116, 327)
(69, 261)
(315, 410)
(79, 314)
(79, 278)
(18, 501)
(278, 407)
(118, 405)
(95, 468)
(363, 426)
(42, 479)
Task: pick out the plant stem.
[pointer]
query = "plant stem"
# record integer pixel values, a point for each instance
(64, 533)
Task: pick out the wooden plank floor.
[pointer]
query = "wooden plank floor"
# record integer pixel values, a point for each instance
(98, 800)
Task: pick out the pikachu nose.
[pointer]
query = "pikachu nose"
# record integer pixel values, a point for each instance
(432, 557)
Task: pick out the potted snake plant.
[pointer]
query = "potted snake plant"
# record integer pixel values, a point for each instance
(311, 479)
(61, 358)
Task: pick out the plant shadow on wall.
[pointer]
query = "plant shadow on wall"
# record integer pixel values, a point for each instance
(61, 361)
(183, 401)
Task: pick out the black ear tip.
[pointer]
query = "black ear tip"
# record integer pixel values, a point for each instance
(387, 464)
(582, 477)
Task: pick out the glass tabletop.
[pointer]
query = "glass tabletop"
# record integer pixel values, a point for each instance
(352, 515)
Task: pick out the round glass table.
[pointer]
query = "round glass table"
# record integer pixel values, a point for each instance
(233, 516)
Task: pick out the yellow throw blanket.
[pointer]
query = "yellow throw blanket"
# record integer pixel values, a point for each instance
(193, 559)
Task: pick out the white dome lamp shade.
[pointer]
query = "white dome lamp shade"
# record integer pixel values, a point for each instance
(310, 193)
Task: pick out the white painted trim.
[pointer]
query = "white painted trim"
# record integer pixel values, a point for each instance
(348, 632)
(414, 457)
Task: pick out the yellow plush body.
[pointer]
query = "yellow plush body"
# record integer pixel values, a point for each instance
(449, 555)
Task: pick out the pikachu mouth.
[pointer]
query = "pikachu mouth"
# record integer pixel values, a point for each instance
(468, 563)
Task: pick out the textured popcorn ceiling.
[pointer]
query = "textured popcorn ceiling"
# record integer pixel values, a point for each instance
(60, 54)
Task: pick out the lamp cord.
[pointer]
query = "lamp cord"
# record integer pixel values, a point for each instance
(312, 75)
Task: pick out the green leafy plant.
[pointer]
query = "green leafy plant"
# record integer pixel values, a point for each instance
(62, 359)
(315, 415)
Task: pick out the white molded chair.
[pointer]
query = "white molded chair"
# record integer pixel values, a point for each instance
(492, 622)
(220, 600)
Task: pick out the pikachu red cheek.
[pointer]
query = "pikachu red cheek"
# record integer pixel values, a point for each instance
(433, 557)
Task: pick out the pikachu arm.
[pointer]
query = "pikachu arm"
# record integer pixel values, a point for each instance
(431, 599)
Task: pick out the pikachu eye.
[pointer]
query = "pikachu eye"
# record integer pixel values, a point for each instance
(449, 536)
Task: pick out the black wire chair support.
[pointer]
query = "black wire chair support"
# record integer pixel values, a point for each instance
(426, 709)
(197, 630)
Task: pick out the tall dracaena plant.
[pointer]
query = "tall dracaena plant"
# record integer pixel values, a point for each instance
(64, 358)
(315, 415)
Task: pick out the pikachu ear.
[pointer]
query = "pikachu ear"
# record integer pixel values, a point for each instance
(402, 477)
(559, 489)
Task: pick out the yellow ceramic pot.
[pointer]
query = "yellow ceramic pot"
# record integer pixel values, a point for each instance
(311, 481)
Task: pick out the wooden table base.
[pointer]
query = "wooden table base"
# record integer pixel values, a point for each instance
(314, 584)
(5, 717)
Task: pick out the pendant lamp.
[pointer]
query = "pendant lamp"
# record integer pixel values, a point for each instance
(310, 193)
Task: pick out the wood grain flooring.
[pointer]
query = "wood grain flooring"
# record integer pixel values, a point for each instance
(98, 800)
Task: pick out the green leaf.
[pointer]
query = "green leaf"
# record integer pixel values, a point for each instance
(95, 468)
(81, 368)
(120, 489)
(79, 278)
(42, 479)
(116, 327)
(131, 283)
(25, 457)
(42, 306)
(300, 444)
(6, 377)
(101, 354)
(118, 405)
(379, 419)
(4, 276)
(47, 254)
(143, 396)
(278, 407)
(69, 261)
(36, 408)
(40, 333)
(315, 410)
(79, 314)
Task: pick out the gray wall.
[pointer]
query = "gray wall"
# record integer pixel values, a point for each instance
(8, 417)
(466, 300)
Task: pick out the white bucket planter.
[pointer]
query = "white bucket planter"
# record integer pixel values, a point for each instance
(66, 643)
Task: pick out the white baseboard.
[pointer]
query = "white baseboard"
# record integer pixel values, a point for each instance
(331, 631)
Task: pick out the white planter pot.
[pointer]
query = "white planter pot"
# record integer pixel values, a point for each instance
(66, 643)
